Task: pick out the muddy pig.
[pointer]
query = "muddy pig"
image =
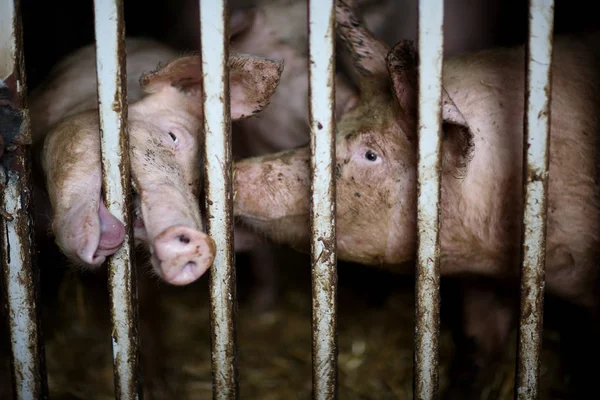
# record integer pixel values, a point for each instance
(276, 30)
(164, 123)
(481, 188)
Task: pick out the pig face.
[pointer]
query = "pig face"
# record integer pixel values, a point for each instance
(376, 161)
(165, 138)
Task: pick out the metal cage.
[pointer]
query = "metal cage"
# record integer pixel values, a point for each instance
(20, 274)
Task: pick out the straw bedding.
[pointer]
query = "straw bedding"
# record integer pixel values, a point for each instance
(375, 339)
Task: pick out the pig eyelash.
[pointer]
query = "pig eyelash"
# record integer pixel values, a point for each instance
(173, 137)
(371, 156)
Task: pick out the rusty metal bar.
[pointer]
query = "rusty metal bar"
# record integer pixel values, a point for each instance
(321, 48)
(112, 102)
(16, 221)
(535, 189)
(214, 39)
(427, 311)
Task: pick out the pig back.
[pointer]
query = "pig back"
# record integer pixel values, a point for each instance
(71, 88)
(482, 210)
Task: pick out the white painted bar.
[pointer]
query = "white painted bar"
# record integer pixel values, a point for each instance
(27, 371)
(535, 164)
(430, 34)
(20, 275)
(214, 39)
(321, 42)
(112, 95)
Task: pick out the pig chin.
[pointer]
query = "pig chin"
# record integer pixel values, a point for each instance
(291, 230)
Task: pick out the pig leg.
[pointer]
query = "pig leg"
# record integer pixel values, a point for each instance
(487, 318)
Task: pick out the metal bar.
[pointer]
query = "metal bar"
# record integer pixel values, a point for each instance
(16, 221)
(427, 311)
(214, 40)
(112, 102)
(535, 188)
(321, 48)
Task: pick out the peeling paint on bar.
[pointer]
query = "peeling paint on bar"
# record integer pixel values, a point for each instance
(214, 39)
(112, 102)
(321, 44)
(20, 278)
(535, 181)
(427, 311)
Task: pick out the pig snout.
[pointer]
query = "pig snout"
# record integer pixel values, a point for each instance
(88, 234)
(182, 254)
(180, 251)
(112, 234)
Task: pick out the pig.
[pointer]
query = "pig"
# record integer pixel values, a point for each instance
(164, 124)
(481, 182)
(276, 30)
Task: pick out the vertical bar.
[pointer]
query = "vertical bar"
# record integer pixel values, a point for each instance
(321, 48)
(427, 311)
(214, 43)
(535, 182)
(112, 102)
(16, 210)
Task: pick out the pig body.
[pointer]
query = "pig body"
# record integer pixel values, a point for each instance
(71, 88)
(481, 199)
(164, 123)
(481, 212)
(481, 189)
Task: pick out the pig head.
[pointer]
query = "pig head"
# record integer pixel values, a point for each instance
(165, 138)
(376, 160)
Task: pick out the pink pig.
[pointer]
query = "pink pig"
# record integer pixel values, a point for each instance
(481, 189)
(165, 138)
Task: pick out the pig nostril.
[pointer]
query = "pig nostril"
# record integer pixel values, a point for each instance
(183, 239)
(190, 265)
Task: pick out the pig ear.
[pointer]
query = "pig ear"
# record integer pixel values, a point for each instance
(240, 21)
(402, 65)
(252, 82)
(458, 137)
(183, 73)
(366, 51)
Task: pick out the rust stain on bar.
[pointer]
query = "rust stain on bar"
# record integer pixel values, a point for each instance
(218, 170)
(116, 183)
(321, 48)
(20, 278)
(535, 189)
(427, 285)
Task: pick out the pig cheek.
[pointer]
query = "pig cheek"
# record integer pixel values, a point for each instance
(187, 158)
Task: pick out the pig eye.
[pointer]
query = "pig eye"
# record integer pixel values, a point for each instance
(371, 156)
(173, 137)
